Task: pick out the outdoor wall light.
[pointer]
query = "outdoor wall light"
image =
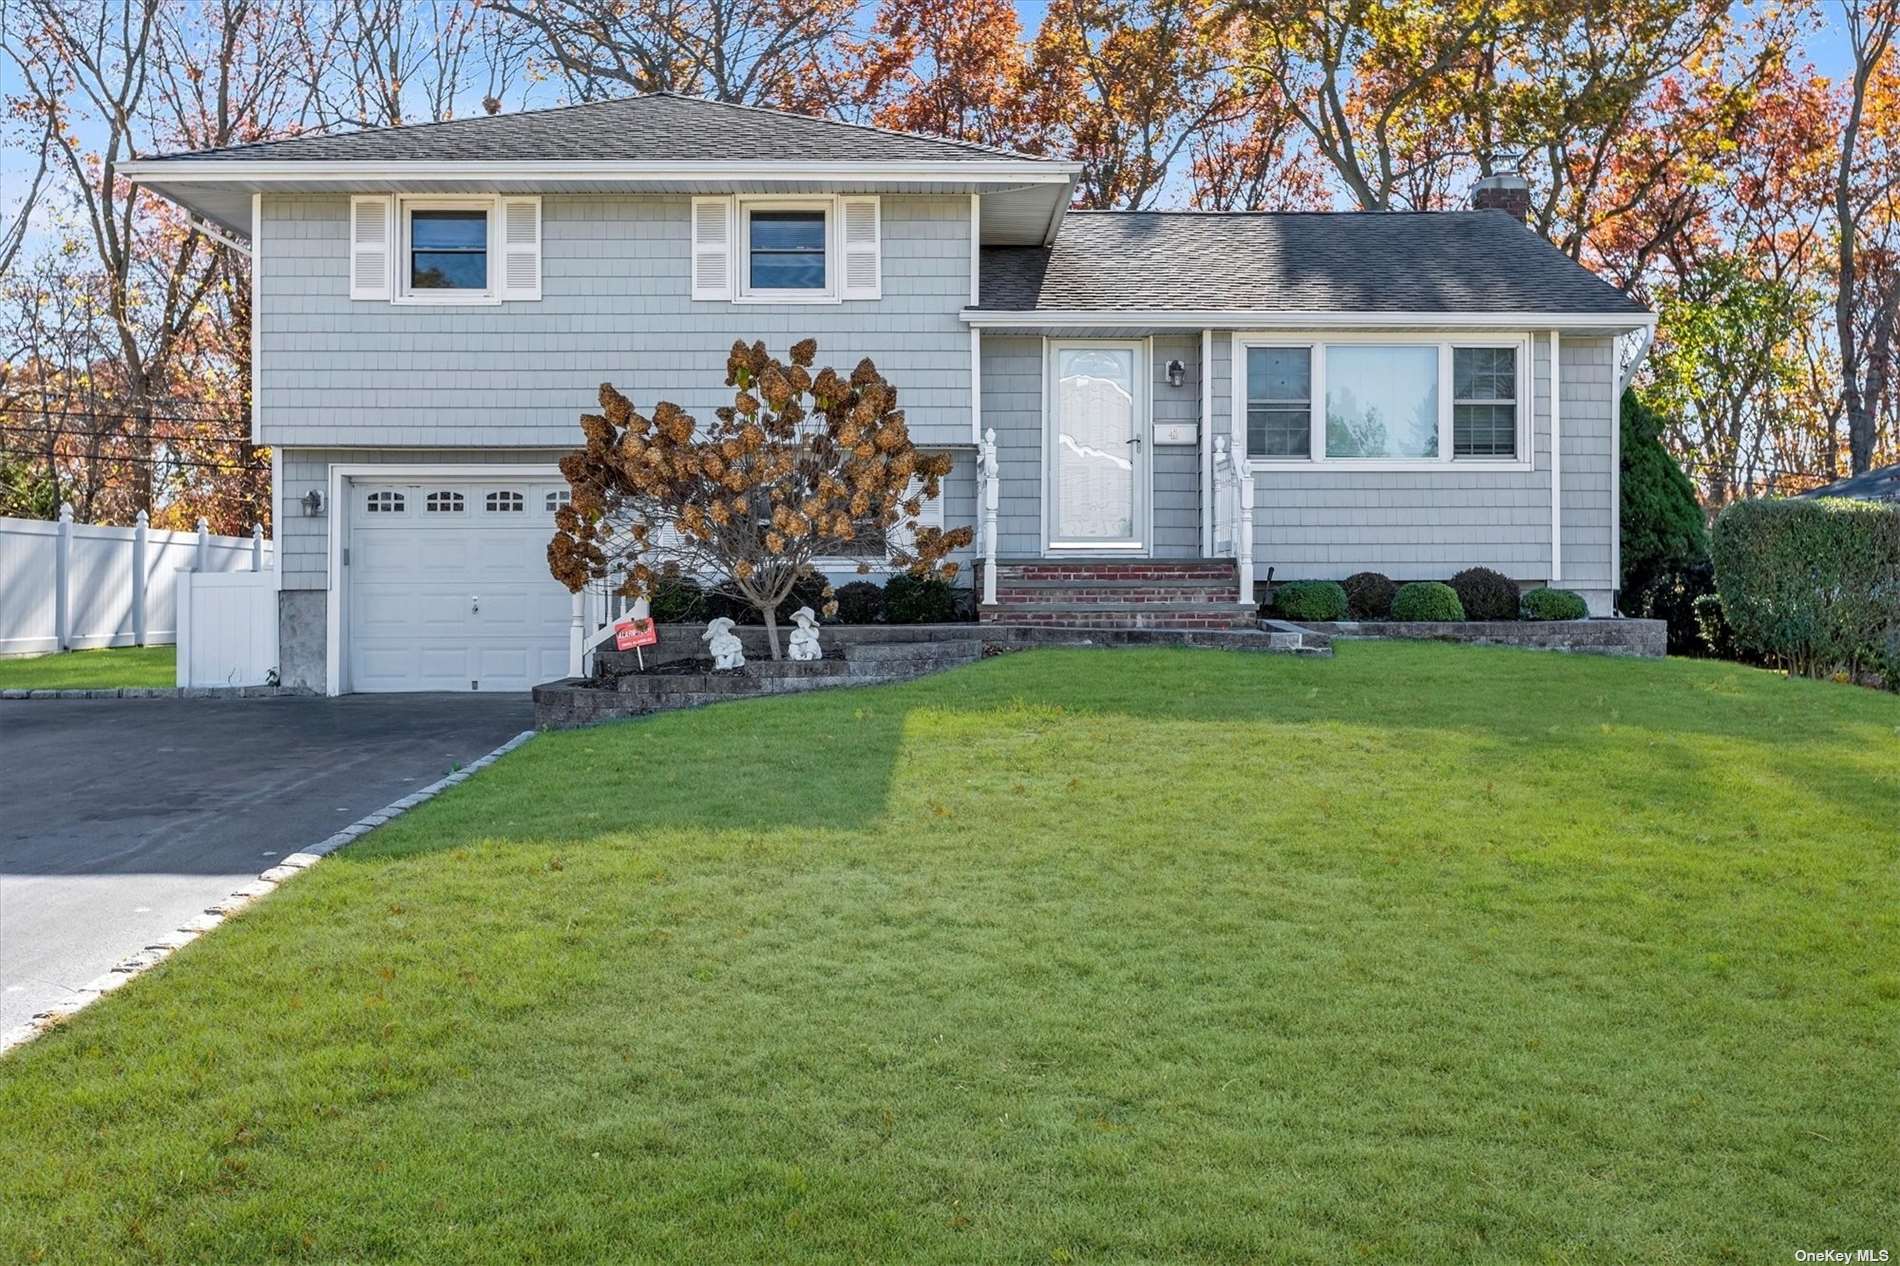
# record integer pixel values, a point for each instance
(313, 504)
(1177, 373)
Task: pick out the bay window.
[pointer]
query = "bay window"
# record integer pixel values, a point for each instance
(1392, 402)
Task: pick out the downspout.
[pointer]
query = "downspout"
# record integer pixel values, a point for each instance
(1556, 461)
(1644, 337)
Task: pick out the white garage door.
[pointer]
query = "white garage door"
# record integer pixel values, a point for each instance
(449, 586)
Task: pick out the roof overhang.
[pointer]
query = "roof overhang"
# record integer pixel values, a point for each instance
(1255, 319)
(1023, 198)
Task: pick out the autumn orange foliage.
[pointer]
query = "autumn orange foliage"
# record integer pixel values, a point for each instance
(800, 466)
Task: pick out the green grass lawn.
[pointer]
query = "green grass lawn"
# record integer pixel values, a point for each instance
(93, 670)
(1420, 954)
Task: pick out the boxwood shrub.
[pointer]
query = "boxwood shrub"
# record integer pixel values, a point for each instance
(1310, 600)
(860, 602)
(1812, 584)
(1554, 604)
(677, 600)
(1369, 595)
(1486, 594)
(911, 600)
(1427, 600)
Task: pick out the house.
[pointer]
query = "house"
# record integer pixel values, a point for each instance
(1880, 484)
(437, 304)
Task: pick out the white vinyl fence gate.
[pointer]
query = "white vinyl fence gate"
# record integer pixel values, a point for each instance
(66, 585)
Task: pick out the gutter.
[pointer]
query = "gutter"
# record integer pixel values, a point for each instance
(271, 171)
(1255, 319)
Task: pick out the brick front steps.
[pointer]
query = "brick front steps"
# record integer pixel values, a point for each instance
(1135, 593)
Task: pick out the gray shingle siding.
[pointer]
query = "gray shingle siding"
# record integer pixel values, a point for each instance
(303, 543)
(1177, 467)
(615, 307)
(1327, 524)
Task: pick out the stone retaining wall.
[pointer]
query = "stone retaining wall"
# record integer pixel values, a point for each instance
(1644, 638)
(856, 655)
(574, 701)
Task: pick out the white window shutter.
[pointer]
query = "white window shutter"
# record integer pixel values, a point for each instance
(712, 248)
(862, 272)
(521, 248)
(372, 246)
(903, 533)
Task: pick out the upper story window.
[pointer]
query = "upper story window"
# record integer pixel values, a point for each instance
(1389, 402)
(786, 247)
(471, 250)
(447, 248)
(776, 249)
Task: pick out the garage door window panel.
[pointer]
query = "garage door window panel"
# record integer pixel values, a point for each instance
(445, 503)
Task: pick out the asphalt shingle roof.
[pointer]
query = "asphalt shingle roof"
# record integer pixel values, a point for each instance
(1432, 261)
(1879, 484)
(658, 127)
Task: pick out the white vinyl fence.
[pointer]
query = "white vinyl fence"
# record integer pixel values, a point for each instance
(75, 586)
(227, 628)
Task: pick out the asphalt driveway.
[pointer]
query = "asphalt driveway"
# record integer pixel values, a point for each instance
(122, 819)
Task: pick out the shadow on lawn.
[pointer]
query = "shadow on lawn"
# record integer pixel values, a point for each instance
(829, 761)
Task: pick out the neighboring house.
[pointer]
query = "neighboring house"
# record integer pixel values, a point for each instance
(436, 305)
(1882, 484)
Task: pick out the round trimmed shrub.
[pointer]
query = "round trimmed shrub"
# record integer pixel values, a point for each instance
(1555, 604)
(860, 602)
(911, 600)
(1310, 600)
(1486, 594)
(1369, 595)
(677, 600)
(1427, 600)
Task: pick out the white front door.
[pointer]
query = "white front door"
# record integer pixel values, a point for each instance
(1097, 459)
(449, 586)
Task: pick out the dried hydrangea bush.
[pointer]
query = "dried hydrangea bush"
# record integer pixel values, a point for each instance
(800, 466)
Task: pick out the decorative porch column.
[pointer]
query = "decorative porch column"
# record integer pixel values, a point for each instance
(577, 635)
(990, 476)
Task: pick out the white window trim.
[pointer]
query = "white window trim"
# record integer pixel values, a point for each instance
(930, 514)
(1445, 342)
(490, 296)
(745, 204)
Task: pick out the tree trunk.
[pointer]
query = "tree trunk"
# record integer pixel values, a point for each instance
(771, 628)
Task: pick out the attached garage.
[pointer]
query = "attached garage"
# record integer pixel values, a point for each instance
(446, 584)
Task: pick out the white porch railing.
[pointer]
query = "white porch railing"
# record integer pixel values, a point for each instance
(989, 482)
(1233, 513)
(593, 621)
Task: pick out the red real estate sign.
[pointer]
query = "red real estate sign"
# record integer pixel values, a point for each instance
(631, 633)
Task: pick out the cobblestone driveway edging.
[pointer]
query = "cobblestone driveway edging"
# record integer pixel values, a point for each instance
(223, 909)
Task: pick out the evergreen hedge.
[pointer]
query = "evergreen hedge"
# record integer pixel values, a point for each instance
(1813, 585)
(1427, 600)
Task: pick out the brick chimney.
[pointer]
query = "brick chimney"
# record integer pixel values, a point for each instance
(1507, 192)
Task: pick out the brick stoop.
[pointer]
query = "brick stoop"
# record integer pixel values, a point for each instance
(1135, 593)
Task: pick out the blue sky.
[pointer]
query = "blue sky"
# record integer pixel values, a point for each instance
(1827, 49)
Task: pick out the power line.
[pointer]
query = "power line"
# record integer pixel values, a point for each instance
(166, 463)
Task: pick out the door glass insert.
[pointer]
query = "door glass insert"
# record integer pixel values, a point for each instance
(1096, 457)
